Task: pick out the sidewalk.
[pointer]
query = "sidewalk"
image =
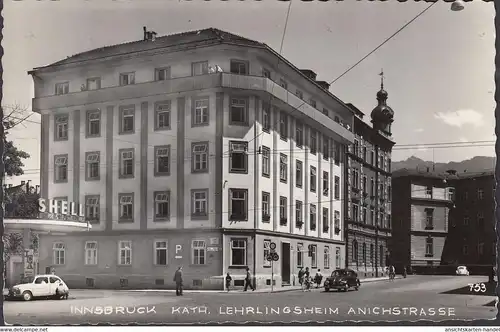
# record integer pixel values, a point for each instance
(257, 291)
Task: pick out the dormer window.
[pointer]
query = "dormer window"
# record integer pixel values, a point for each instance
(199, 68)
(62, 88)
(94, 83)
(162, 74)
(239, 67)
(127, 78)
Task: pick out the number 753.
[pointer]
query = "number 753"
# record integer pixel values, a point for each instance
(481, 287)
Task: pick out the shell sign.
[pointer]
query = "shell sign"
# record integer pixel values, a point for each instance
(61, 210)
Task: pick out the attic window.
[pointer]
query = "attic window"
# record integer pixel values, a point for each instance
(239, 67)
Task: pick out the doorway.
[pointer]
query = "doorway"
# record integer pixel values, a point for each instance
(285, 263)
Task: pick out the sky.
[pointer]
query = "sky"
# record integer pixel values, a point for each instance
(439, 71)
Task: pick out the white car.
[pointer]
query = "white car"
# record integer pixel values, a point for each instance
(462, 271)
(44, 285)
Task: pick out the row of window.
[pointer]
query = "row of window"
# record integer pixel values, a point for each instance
(314, 255)
(238, 163)
(238, 253)
(429, 248)
(162, 118)
(299, 214)
(355, 253)
(162, 205)
(361, 152)
(314, 136)
(466, 221)
(480, 194)
(239, 67)
(449, 193)
(362, 185)
(384, 219)
(128, 78)
(238, 208)
(198, 252)
(299, 176)
(162, 162)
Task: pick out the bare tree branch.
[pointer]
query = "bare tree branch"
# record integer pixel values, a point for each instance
(15, 116)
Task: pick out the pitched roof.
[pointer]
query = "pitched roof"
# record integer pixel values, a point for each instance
(183, 38)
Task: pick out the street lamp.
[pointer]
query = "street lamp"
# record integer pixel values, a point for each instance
(457, 6)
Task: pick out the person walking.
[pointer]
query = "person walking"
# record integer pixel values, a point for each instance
(301, 277)
(228, 281)
(248, 281)
(318, 278)
(307, 280)
(178, 281)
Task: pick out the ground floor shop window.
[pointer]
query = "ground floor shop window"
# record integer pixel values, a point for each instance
(238, 252)
(199, 252)
(125, 252)
(59, 253)
(161, 252)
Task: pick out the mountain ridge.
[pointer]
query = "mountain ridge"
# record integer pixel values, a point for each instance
(475, 164)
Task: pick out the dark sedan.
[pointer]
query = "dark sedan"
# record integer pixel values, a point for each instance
(342, 279)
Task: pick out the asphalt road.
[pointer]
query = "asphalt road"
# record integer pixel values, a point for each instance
(417, 297)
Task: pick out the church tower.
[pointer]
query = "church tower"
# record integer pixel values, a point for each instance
(382, 115)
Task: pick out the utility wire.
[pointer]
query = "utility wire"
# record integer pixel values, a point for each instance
(362, 59)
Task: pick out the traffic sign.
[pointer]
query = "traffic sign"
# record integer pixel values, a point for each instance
(272, 246)
(269, 258)
(276, 257)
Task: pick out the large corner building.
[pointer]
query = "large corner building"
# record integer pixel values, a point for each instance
(368, 191)
(196, 149)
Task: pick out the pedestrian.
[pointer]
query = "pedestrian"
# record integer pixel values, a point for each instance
(307, 281)
(318, 278)
(301, 277)
(178, 281)
(228, 281)
(248, 281)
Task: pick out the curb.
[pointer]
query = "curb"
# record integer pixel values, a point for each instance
(266, 290)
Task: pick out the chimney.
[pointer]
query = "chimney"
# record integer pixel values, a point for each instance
(37, 188)
(309, 73)
(324, 84)
(145, 33)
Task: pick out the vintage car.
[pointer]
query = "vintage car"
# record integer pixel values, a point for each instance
(462, 271)
(45, 285)
(342, 279)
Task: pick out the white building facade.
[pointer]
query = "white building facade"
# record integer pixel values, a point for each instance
(195, 149)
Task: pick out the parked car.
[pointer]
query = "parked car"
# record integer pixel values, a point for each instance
(342, 279)
(462, 271)
(45, 285)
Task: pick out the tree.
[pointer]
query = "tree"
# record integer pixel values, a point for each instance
(20, 202)
(13, 157)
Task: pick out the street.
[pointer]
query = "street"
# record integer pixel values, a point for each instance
(414, 298)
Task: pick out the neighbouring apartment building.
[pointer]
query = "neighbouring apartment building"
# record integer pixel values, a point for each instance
(197, 149)
(368, 191)
(422, 201)
(471, 236)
